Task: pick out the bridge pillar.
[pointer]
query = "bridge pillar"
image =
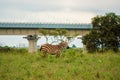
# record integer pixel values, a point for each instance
(32, 40)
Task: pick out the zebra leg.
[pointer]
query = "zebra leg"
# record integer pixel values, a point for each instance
(43, 54)
(58, 55)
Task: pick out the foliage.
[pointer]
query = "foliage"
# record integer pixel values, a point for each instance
(57, 33)
(45, 33)
(91, 41)
(7, 49)
(105, 33)
(71, 65)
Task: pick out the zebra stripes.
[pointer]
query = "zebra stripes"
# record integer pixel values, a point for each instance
(53, 49)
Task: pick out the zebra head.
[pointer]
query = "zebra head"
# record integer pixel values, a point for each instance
(64, 44)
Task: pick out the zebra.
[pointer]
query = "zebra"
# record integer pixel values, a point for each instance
(53, 49)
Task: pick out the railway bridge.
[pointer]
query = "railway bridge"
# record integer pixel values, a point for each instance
(32, 30)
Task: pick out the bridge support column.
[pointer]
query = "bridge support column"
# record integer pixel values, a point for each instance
(32, 40)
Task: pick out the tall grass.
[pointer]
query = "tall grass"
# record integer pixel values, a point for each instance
(71, 65)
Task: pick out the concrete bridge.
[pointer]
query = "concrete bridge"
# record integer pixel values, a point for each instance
(32, 29)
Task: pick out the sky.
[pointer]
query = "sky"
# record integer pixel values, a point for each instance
(58, 11)
(53, 11)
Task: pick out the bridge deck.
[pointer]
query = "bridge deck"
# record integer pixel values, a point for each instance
(4, 25)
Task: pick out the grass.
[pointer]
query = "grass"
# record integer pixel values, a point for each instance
(71, 65)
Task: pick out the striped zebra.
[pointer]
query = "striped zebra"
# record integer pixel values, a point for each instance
(53, 49)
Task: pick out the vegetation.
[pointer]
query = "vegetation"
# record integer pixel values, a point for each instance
(17, 64)
(105, 34)
(58, 34)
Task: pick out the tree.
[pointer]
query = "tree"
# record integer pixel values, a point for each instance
(45, 33)
(59, 34)
(91, 41)
(107, 30)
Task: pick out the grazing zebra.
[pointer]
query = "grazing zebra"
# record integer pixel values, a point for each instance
(53, 49)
